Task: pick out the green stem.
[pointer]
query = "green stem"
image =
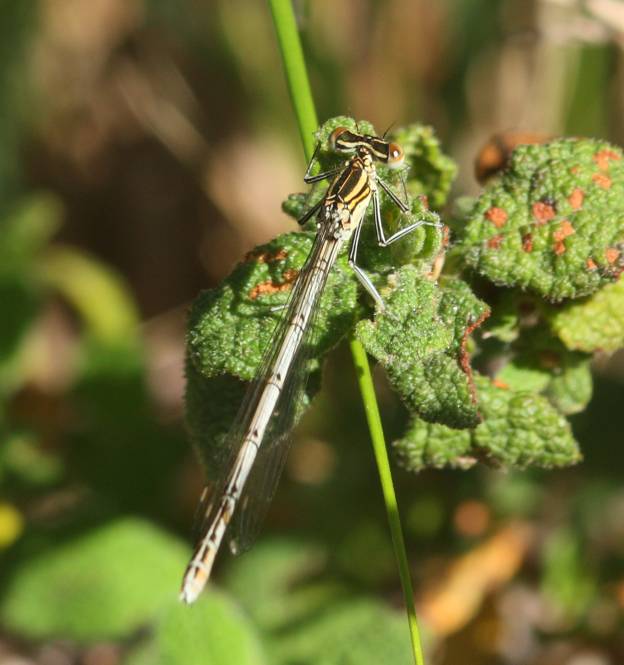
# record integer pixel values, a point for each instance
(367, 389)
(296, 73)
(301, 95)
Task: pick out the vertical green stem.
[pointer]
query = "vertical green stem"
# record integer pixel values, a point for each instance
(301, 95)
(375, 427)
(296, 73)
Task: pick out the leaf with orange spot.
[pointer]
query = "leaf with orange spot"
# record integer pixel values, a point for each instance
(564, 205)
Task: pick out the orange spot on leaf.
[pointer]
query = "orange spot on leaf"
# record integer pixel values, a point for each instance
(499, 383)
(603, 157)
(266, 257)
(559, 248)
(576, 198)
(270, 287)
(591, 264)
(527, 242)
(612, 254)
(495, 242)
(602, 180)
(497, 216)
(543, 212)
(564, 230)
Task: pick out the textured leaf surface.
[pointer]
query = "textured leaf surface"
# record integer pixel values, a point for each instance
(431, 171)
(213, 631)
(519, 429)
(593, 324)
(102, 584)
(231, 326)
(419, 341)
(553, 222)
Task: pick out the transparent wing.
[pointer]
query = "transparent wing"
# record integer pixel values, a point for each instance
(273, 450)
(262, 483)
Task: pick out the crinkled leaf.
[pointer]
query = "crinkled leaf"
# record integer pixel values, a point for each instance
(593, 324)
(231, 326)
(213, 631)
(433, 445)
(102, 584)
(431, 171)
(541, 363)
(553, 222)
(419, 340)
(519, 429)
(545, 366)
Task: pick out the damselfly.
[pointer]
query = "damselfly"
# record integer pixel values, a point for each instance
(339, 219)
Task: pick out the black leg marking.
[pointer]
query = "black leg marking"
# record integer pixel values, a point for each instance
(395, 199)
(310, 213)
(309, 178)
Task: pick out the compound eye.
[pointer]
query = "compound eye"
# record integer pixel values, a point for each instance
(338, 145)
(396, 156)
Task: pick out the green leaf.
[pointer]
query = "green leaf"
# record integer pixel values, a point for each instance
(231, 326)
(102, 584)
(26, 230)
(434, 445)
(305, 620)
(352, 632)
(20, 304)
(213, 631)
(262, 581)
(420, 339)
(571, 389)
(592, 324)
(431, 171)
(543, 364)
(522, 429)
(98, 294)
(519, 429)
(211, 406)
(553, 222)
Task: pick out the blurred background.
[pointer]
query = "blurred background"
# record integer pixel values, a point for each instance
(145, 146)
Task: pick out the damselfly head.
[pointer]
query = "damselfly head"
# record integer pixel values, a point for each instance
(396, 156)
